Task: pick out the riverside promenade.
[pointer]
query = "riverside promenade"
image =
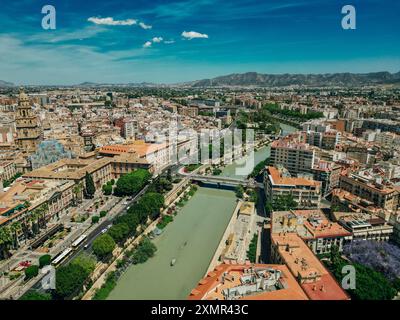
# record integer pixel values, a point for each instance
(222, 244)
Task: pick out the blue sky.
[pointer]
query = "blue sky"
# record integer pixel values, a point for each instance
(173, 41)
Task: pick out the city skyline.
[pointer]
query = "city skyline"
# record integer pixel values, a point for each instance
(191, 40)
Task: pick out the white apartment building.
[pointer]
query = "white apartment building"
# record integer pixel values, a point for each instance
(295, 156)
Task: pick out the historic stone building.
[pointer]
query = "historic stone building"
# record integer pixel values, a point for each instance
(29, 134)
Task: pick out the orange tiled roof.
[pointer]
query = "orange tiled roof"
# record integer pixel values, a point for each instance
(211, 286)
(318, 283)
(139, 147)
(278, 179)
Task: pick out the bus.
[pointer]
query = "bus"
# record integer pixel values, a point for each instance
(79, 241)
(59, 258)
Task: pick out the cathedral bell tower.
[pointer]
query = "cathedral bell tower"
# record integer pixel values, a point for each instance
(29, 134)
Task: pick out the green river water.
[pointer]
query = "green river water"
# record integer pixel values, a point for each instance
(200, 224)
(191, 239)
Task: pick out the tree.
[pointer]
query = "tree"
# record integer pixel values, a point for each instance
(169, 175)
(95, 219)
(90, 188)
(34, 295)
(258, 169)
(77, 191)
(5, 242)
(130, 219)
(40, 215)
(70, 280)
(269, 208)
(86, 262)
(31, 272)
(44, 260)
(149, 205)
(239, 191)
(370, 284)
(252, 252)
(103, 214)
(396, 284)
(143, 252)
(107, 189)
(163, 185)
(253, 195)
(216, 172)
(119, 232)
(15, 229)
(284, 203)
(103, 292)
(382, 256)
(147, 247)
(103, 246)
(335, 255)
(131, 183)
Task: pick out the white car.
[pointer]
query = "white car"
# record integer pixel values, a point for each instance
(104, 231)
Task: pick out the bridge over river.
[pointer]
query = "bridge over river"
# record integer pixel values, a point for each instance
(191, 239)
(225, 181)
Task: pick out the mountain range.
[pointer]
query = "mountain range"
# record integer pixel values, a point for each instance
(6, 84)
(254, 79)
(312, 80)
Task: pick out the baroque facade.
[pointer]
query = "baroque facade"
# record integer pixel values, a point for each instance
(29, 133)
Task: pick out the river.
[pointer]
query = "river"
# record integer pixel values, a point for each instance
(201, 228)
(246, 164)
(191, 239)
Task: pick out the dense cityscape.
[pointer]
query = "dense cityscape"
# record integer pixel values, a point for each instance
(89, 185)
(173, 159)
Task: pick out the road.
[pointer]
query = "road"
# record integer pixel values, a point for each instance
(119, 208)
(104, 225)
(97, 232)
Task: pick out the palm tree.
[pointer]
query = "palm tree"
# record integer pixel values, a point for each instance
(41, 212)
(34, 222)
(14, 229)
(77, 191)
(25, 227)
(5, 241)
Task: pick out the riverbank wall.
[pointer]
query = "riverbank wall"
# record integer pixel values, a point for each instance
(222, 244)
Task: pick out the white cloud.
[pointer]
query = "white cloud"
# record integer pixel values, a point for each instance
(111, 22)
(145, 26)
(154, 40)
(157, 39)
(147, 44)
(22, 62)
(193, 35)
